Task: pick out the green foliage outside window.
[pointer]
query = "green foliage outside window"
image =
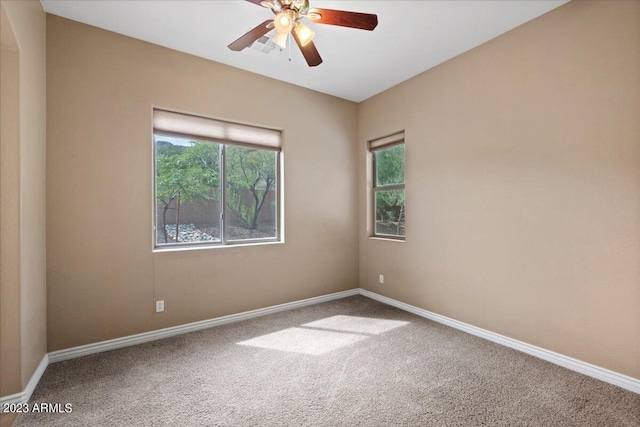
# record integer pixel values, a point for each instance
(390, 203)
(192, 173)
(390, 165)
(251, 171)
(184, 174)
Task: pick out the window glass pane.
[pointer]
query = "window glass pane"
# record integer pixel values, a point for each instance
(251, 200)
(390, 212)
(390, 165)
(187, 191)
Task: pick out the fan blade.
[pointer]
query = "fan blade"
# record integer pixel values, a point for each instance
(361, 21)
(252, 35)
(309, 51)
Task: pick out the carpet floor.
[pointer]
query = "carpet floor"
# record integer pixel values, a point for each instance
(350, 362)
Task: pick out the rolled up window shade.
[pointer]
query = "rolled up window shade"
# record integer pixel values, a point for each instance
(387, 141)
(218, 130)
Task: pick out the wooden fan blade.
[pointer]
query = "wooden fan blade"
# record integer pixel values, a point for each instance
(309, 51)
(252, 35)
(361, 21)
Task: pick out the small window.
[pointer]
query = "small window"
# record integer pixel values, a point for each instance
(211, 190)
(388, 186)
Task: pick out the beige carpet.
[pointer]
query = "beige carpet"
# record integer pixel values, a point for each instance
(351, 362)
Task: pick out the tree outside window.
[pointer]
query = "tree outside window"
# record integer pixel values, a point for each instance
(188, 189)
(389, 191)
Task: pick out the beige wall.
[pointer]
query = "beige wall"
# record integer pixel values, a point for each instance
(523, 185)
(102, 275)
(10, 380)
(27, 20)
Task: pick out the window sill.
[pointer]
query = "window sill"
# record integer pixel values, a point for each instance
(164, 249)
(386, 239)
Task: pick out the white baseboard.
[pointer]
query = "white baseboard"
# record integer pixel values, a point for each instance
(24, 396)
(620, 380)
(611, 377)
(71, 353)
(84, 350)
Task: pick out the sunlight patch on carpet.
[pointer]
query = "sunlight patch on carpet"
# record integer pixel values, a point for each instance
(359, 325)
(305, 341)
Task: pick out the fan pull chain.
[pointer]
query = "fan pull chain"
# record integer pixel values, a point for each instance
(289, 45)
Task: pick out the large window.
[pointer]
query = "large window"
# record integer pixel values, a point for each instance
(388, 186)
(216, 182)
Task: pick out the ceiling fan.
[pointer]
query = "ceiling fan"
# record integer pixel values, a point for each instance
(288, 21)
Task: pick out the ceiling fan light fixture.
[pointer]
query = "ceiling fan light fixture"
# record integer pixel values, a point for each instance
(283, 23)
(314, 15)
(288, 14)
(302, 6)
(304, 33)
(280, 39)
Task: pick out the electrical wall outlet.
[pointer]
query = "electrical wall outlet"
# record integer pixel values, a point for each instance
(382, 278)
(159, 306)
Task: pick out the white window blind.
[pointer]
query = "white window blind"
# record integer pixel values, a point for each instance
(387, 141)
(218, 130)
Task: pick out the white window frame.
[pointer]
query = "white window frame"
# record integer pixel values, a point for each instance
(243, 136)
(376, 145)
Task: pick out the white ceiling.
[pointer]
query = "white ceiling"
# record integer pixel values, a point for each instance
(411, 37)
